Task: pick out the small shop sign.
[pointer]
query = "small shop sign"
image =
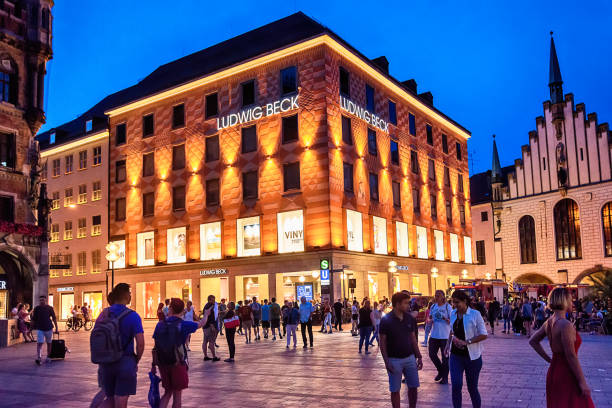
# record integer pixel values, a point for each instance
(66, 289)
(209, 272)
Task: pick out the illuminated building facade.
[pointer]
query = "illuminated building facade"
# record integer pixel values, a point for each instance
(235, 173)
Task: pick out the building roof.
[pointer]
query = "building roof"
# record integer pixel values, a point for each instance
(480, 185)
(554, 72)
(279, 34)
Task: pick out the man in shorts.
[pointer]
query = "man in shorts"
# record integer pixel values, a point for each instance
(275, 317)
(256, 309)
(246, 317)
(210, 330)
(44, 318)
(400, 350)
(265, 318)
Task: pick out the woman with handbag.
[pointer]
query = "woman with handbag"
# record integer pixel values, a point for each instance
(231, 323)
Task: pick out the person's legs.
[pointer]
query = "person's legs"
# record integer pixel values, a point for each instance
(361, 337)
(339, 321)
(374, 335)
(368, 333)
(427, 331)
(472, 372)
(121, 401)
(211, 347)
(177, 398)
(492, 324)
(456, 372)
(434, 346)
(229, 335)
(309, 325)
(303, 330)
(412, 397)
(395, 382)
(165, 399)
(411, 374)
(293, 333)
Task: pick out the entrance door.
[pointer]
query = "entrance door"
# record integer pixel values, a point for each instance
(67, 303)
(224, 292)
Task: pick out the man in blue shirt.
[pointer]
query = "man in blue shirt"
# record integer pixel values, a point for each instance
(119, 378)
(265, 318)
(174, 377)
(306, 310)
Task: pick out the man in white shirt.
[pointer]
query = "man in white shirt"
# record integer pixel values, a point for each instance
(440, 314)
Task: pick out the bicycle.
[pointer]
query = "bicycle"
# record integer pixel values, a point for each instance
(74, 324)
(88, 325)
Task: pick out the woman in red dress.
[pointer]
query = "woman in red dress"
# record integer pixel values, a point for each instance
(566, 386)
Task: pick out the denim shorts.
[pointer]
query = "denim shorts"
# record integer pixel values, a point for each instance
(405, 367)
(119, 378)
(44, 336)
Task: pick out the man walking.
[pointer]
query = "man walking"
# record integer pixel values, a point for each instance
(493, 314)
(265, 318)
(440, 314)
(338, 314)
(210, 330)
(275, 316)
(306, 310)
(246, 316)
(527, 314)
(256, 309)
(400, 349)
(44, 319)
(222, 307)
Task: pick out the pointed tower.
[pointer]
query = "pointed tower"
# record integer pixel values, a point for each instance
(496, 175)
(555, 83)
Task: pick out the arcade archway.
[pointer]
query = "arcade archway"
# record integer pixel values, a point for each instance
(533, 278)
(16, 284)
(597, 270)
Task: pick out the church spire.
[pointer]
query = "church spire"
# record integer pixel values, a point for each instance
(495, 167)
(555, 83)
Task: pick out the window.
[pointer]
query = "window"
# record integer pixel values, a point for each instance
(606, 218)
(460, 182)
(120, 209)
(249, 185)
(82, 263)
(412, 124)
(52, 138)
(55, 233)
(374, 186)
(82, 230)
(449, 212)
(148, 204)
(394, 152)
(97, 155)
(527, 239)
(68, 197)
(88, 126)
(120, 134)
(249, 139)
(56, 167)
(178, 198)
(83, 160)
(212, 148)
(348, 177)
(397, 199)
(372, 148)
(347, 131)
(414, 162)
(345, 83)
(55, 200)
(462, 214)
(43, 172)
(212, 192)
(145, 248)
(96, 261)
(431, 170)
(446, 176)
(69, 163)
(416, 201)
(68, 261)
(148, 164)
(148, 125)
(178, 116)
(433, 202)
(178, 157)
(480, 253)
(97, 191)
(8, 84)
(291, 176)
(444, 143)
(290, 128)
(212, 106)
(7, 208)
(392, 113)
(484, 216)
(82, 194)
(429, 130)
(370, 104)
(67, 230)
(120, 174)
(458, 150)
(567, 229)
(288, 80)
(248, 93)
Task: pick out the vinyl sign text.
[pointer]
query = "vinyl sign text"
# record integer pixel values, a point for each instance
(367, 116)
(258, 112)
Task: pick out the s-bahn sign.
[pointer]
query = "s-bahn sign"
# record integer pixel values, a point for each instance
(258, 112)
(370, 118)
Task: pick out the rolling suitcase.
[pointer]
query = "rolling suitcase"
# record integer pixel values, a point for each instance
(58, 348)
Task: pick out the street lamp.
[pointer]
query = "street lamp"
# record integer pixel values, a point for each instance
(464, 274)
(488, 276)
(434, 275)
(112, 255)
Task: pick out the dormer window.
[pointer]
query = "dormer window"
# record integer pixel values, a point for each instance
(52, 138)
(88, 126)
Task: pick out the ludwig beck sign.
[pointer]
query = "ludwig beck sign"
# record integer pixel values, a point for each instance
(258, 112)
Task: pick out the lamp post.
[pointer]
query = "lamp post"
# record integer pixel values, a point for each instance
(434, 275)
(112, 256)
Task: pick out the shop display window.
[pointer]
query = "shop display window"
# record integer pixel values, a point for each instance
(354, 231)
(439, 240)
(145, 248)
(291, 231)
(147, 299)
(210, 241)
(180, 289)
(380, 235)
(421, 233)
(120, 262)
(248, 236)
(467, 249)
(454, 246)
(94, 301)
(177, 245)
(67, 303)
(401, 232)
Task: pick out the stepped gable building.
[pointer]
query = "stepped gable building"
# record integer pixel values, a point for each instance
(550, 215)
(282, 163)
(25, 48)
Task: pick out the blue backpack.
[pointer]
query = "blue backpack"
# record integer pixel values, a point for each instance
(169, 347)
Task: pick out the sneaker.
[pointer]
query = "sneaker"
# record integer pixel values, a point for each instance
(359, 351)
(265, 336)
(188, 349)
(215, 359)
(207, 358)
(280, 336)
(37, 361)
(305, 346)
(287, 346)
(229, 360)
(274, 338)
(438, 378)
(311, 346)
(444, 381)
(216, 345)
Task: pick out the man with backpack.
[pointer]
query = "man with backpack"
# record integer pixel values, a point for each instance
(256, 309)
(112, 347)
(170, 351)
(246, 317)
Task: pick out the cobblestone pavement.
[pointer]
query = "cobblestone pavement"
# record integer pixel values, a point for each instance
(266, 374)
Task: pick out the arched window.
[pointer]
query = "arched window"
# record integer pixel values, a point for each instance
(567, 229)
(8, 81)
(606, 218)
(527, 240)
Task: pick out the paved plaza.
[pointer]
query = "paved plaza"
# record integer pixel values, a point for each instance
(266, 374)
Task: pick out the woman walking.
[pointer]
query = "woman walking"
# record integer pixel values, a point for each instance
(293, 319)
(376, 315)
(161, 316)
(365, 326)
(354, 317)
(565, 383)
(231, 322)
(467, 332)
(188, 317)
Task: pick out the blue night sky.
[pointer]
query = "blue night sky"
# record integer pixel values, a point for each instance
(487, 66)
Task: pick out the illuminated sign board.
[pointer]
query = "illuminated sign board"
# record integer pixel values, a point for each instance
(2, 285)
(258, 112)
(370, 118)
(304, 291)
(66, 289)
(291, 231)
(209, 272)
(324, 272)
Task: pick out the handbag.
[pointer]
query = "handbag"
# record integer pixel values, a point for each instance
(154, 397)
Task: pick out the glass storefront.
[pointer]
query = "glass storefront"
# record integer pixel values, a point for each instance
(177, 245)
(291, 286)
(147, 299)
(378, 285)
(67, 303)
(218, 287)
(145, 248)
(210, 241)
(94, 301)
(354, 231)
(180, 289)
(248, 286)
(248, 236)
(3, 304)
